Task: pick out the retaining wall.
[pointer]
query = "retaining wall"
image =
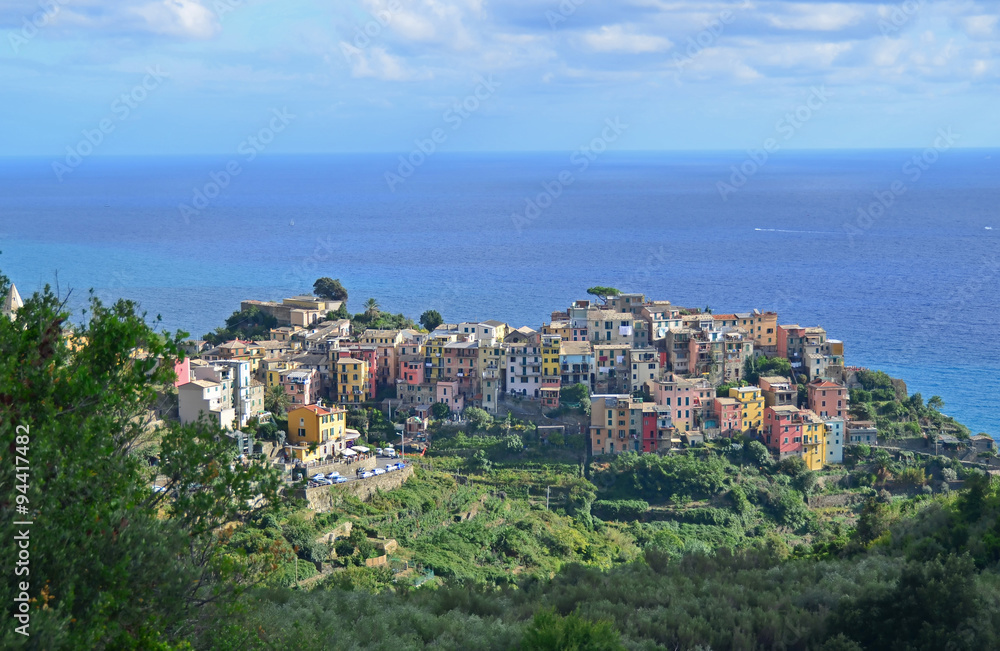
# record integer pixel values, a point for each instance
(321, 498)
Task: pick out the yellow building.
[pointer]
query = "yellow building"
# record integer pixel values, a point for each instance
(558, 328)
(550, 356)
(813, 440)
(316, 432)
(753, 407)
(352, 380)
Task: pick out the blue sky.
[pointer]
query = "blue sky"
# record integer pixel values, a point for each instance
(681, 75)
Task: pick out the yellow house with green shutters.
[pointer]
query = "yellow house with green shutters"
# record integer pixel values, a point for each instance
(753, 407)
(315, 432)
(813, 440)
(352, 381)
(550, 356)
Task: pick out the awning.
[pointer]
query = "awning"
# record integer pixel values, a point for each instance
(352, 434)
(349, 453)
(360, 448)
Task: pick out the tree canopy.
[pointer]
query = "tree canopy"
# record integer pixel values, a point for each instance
(251, 324)
(603, 293)
(431, 319)
(113, 563)
(330, 289)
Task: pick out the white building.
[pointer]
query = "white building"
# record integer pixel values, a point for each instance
(11, 303)
(834, 440)
(204, 397)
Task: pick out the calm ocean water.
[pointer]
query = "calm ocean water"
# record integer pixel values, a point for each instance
(911, 289)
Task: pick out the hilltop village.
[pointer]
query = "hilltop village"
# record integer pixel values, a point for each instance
(656, 376)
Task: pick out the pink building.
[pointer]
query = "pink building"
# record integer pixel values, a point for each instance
(301, 386)
(684, 397)
(411, 371)
(447, 391)
(183, 372)
(729, 413)
(828, 399)
(783, 430)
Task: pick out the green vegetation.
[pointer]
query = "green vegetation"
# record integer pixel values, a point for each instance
(503, 539)
(113, 564)
(330, 289)
(897, 416)
(603, 293)
(431, 319)
(251, 324)
(761, 366)
(374, 318)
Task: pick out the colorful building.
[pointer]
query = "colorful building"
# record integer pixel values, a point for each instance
(783, 430)
(301, 386)
(684, 397)
(834, 440)
(658, 431)
(353, 381)
(828, 399)
(813, 440)
(315, 432)
(752, 401)
(615, 424)
(550, 356)
(729, 416)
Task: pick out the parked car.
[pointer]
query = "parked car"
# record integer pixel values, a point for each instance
(379, 471)
(378, 450)
(332, 475)
(366, 474)
(389, 467)
(339, 480)
(317, 477)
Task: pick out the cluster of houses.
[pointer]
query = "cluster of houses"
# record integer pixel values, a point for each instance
(652, 369)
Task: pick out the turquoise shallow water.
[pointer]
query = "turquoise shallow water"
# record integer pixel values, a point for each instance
(912, 290)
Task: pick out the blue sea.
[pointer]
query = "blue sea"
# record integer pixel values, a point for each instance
(909, 282)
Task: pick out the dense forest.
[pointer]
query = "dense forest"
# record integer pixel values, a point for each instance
(505, 539)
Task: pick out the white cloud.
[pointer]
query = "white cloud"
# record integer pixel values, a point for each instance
(185, 18)
(980, 26)
(614, 38)
(820, 17)
(376, 62)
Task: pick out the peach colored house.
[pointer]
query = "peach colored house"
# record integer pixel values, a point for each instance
(550, 392)
(447, 391)
(828, 399)
(301, 386)
(684, 397)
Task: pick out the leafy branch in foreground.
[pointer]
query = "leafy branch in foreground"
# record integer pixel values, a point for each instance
(113, 563)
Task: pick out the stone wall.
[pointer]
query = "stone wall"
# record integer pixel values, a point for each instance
(322, 497)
